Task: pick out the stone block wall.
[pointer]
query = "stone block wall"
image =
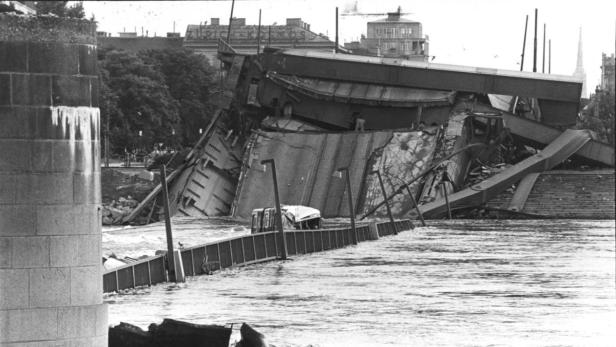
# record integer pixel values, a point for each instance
(50, 236)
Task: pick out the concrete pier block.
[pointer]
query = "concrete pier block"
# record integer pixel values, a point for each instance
(179, 266)
(50, 232)
(14, 288)
(373, 231)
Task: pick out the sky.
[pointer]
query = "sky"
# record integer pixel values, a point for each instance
(482, 33)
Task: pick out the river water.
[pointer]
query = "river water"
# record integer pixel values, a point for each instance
(453, 283)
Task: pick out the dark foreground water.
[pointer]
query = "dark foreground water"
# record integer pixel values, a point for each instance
(461, 283)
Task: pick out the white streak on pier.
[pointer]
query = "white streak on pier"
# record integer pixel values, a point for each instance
(77, 122)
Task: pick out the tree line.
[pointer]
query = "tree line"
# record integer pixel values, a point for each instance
(148, 98)
(154, 96)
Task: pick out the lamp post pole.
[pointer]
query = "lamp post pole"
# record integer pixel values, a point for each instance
(281, 237)
(350, 198)
(391, 217)
(168, 232)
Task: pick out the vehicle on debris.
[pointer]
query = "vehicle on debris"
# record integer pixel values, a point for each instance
(293, 217)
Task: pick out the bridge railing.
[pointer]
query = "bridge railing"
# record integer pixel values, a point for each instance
(239, 251)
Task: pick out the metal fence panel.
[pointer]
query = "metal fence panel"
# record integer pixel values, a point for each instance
(270, 240)
(142, 275)
(226, 258)
(237, 250)
(290, 239)
(213, 256)
(125, 278)
(260, 248)
(249, 248)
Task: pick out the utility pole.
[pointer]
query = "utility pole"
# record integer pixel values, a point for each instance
(524, 44)
(336, 50)
(230, 22)
(543, 61)
(259, 34)
(535, 50)
(550, 56)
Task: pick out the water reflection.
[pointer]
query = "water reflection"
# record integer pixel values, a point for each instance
(455, 283)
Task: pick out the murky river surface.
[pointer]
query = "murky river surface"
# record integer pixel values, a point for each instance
(460, 283)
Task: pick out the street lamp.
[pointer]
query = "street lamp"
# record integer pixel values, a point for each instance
(281, 236)
(350, 198)
(391, 217)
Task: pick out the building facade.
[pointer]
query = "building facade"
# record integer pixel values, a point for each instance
(393, 37)
(203, 38)
(607, 73)
(129, 41)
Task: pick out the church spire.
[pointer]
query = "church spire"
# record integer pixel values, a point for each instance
(579, 67)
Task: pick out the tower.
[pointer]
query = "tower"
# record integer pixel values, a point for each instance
(579, 67)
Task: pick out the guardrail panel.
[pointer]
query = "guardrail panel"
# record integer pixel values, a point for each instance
(270, 240)
(237, 250)
(142, 277)
(109, 282)
(300, 238)
(342, 238)
(310, 241)
(290, 238)
(260, 246)
(361, 234)
(213, 257)
(125, 278)
(225, 256)
(249, 248)
(198, 259)
(158, 273)
(325, 237)
(241, 250)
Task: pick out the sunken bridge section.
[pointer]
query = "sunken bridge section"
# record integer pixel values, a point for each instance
(242, 251)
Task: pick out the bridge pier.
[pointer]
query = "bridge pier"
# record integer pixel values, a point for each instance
(50, 229)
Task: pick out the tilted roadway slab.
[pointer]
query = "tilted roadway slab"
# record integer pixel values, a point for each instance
(542, 134)
(565, 145)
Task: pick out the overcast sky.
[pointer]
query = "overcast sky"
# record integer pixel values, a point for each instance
(486, 33)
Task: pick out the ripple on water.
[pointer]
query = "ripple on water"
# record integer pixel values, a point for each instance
(453, 283)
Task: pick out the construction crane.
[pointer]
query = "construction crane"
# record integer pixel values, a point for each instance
(353, 12)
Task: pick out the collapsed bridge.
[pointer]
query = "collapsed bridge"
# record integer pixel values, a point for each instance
(429, 126)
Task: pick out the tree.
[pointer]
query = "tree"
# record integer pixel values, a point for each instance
(136, 99)
(598, 116)
(189, 77)
(59, 9)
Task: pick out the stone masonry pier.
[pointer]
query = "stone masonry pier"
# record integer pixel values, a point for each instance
(50, 236)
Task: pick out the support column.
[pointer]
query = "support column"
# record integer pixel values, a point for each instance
(50, 194)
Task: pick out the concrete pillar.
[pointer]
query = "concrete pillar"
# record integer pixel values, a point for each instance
(373, 231)
(50, 236)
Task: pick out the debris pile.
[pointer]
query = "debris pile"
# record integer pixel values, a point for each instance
(114, 212)
(122, 189)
